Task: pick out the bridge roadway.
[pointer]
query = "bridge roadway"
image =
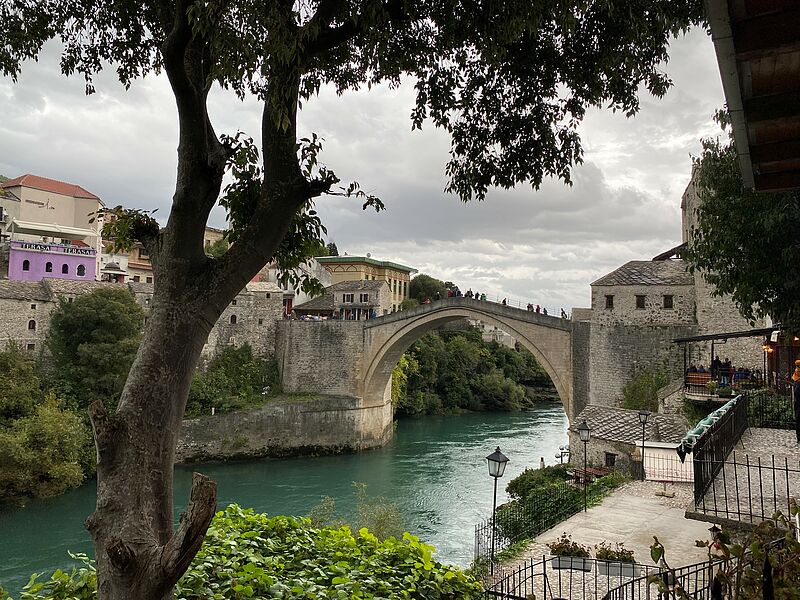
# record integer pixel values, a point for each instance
(355, 359)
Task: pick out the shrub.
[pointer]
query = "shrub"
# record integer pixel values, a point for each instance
(565, 546)
(641, 392)
(618, 552)
(521, 486)
(250, 555)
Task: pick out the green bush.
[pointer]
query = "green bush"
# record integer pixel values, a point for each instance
(250, 555)
(641, 392)
(234, 379)
(530, 479)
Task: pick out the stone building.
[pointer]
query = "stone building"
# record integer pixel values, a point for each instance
(638, 310)
(616, 438)
(26, 306)
(350, 301)
(356, 268)
(292, 297)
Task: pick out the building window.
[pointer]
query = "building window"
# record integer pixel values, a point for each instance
(69, 300)
(609, 302)
(26, 265)
(363, 298)
(269, 295)
(147, 301)
(233, 319)
(31, 325)
(33, 307)
(48, 267)
(81, 271)
(149, 280)
(668, 301)
(65, 269)
(136, 279)
(347, 298)
(233, 302)
(611, 459)
(143, 253)
(261, 321)
(640, 301)
(31, 347)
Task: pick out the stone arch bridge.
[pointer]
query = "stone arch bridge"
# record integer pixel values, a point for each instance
(352, 361)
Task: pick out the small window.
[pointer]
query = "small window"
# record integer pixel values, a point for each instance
(69, 300)
(65, 269)
(147, 301)
(269, 295)
(30, 347)
(149, 280)
(363, 298)
(136, 279)
(48, 267)
(31, 325)
(233, 319)
(609, 302)
(640, 301)
(33, 307)
(668, 301)
(233, 302)
(261, 321)
(347, 298)
(26, 265)
(143, 253)
(394, 286)
(81, 271)
(611, 459)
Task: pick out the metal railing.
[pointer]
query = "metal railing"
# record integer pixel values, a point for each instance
(751, 490)
(711, 448)
(573, 578)
(742, 380)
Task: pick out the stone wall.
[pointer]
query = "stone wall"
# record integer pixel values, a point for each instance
(619, 352)
(653, 313)
(596, 452)
(287, 427)
(15, 317)
(581, 361)
(321, 357)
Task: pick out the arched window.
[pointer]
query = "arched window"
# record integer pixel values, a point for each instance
(48, 267)
(81, 271)
(233, 319)
(65, 269)
(31, 325)
(26, 265)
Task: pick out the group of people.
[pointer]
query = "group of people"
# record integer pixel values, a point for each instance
(542, 310)
(722, 371)
(457, 293)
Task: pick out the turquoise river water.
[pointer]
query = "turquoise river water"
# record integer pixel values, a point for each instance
(434, 471)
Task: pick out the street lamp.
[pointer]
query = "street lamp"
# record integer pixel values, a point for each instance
(497, 466)
(643, 415)
(562, 452)
(585, 433)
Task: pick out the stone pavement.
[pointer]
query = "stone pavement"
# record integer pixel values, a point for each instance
(632, 514)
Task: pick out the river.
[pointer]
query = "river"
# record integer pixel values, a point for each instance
(434, 471)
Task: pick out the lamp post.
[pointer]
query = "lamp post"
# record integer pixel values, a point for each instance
(585, 433)
(497, 466)
(643, 415)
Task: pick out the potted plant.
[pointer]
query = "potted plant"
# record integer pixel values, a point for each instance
(615, 561)
(569, 555)
(725, 392)
(712, 386)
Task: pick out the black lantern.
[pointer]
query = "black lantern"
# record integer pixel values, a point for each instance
(585, 432)
(643, 416)
(497, 463)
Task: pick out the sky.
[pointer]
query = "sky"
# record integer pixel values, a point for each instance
(544, 246)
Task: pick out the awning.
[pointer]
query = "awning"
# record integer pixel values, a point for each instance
(50, 229)
(730, 334)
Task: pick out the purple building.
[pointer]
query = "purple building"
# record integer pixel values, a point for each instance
(34, 261)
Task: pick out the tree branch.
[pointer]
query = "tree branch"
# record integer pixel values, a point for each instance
(178, 553)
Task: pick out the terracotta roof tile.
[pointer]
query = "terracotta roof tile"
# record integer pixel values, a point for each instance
(49, 185)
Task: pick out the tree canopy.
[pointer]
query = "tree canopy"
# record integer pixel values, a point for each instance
(746, 243)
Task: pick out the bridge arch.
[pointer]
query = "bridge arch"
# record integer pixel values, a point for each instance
(387, 338)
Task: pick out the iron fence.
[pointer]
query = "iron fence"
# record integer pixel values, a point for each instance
(771, 410)
(566, 577)
(711, 448)
(751, 490)
(741, 379)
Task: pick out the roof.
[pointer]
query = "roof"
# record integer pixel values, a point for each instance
(385, 264)
(318, 304)
(672, 252)
(140, 287)
(74, 287)
(23, 290)
(49, 185)
(764, 331)
(355, 285)
(758, 51)
(648, 272)
(622, 425)
(262, 286)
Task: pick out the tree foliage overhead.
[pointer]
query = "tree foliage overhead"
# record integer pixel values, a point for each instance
(747, 244)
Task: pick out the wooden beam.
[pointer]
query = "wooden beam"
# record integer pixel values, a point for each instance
(775, 152)
(776, 182)
(765, 33)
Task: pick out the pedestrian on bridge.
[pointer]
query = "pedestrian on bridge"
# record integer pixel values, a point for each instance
(483, 297)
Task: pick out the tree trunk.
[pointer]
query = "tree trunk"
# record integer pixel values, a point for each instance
(139, 557)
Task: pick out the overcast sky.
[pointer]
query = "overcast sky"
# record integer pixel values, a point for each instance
(545, 247)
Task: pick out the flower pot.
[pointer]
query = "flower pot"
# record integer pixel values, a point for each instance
(615, 568)
(572, 563)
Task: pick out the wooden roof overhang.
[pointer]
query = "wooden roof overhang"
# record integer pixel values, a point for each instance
(757, 43)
